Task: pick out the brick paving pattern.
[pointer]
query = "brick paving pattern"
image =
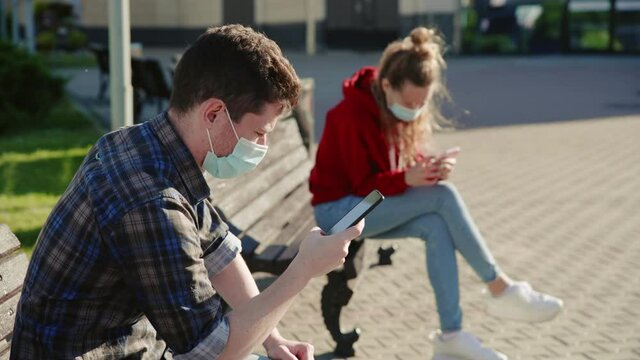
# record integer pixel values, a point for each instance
(558, 205)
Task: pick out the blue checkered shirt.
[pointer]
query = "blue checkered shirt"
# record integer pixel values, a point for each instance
(122, 266)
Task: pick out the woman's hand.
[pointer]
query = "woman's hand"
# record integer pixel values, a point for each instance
(446, 166)
(425, 172)
(428, 171)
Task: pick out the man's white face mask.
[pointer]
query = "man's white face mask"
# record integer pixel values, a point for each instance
(245, 157)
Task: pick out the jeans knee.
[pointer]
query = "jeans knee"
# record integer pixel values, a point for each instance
(448, 193)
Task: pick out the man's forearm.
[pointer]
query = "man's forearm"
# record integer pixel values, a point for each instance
(235, 283)
(236, 286)
(251, 322)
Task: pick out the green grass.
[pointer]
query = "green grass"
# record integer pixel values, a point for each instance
(80, 59)
(36, 167)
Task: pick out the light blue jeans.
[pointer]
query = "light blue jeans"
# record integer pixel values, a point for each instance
(437, 214)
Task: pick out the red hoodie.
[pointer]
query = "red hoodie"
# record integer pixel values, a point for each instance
(353, 154)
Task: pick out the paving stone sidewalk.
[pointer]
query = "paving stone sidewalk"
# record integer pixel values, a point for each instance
(558, 205)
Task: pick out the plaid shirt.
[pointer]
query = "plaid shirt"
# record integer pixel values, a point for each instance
(121, 268)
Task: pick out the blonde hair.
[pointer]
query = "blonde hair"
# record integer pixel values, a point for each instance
(417, 58)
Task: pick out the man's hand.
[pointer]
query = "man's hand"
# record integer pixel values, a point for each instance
(320, 253)
(279, 348)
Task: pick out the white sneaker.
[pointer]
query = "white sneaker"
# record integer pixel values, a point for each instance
(464, 346)
(520, 302)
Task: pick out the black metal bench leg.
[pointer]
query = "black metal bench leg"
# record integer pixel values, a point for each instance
(335, 295)
(384, 254)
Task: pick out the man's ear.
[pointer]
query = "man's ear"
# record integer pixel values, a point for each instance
(386, 85)
(210, 109)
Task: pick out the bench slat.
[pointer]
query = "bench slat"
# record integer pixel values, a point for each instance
(12, 272)
(269, 227)
(8, 241)
(251, 213)
(8, 315)
(290, 237)
(284, 139)
(292, 250)
(5, 346)
(298, 231)
(261, 182)
(13, 268)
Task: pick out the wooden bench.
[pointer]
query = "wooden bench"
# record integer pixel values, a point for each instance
(13, 268)
(269, 209)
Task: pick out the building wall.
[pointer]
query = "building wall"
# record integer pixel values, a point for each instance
(432, 13)
(199, 13)
(285, 20)
(178, 22)
(276, 12)
(412, 7)
(155, 22)
(158, 13)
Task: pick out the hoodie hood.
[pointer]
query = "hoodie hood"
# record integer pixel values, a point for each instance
(357, 90)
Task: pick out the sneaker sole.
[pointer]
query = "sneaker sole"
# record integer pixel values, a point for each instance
(537, 319)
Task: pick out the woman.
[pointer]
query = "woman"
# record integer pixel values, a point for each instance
(377, 137)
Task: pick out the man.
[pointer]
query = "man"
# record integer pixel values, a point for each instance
(127, 263)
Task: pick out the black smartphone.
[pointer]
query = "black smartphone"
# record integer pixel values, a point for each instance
(358, 212)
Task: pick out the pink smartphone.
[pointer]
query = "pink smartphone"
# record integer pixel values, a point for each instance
(451, 152)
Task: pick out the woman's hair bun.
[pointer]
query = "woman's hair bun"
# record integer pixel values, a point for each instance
(421, 35)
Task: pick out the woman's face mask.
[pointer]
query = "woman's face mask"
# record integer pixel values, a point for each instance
(404, 113)
(406, 103)
(245, 157)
